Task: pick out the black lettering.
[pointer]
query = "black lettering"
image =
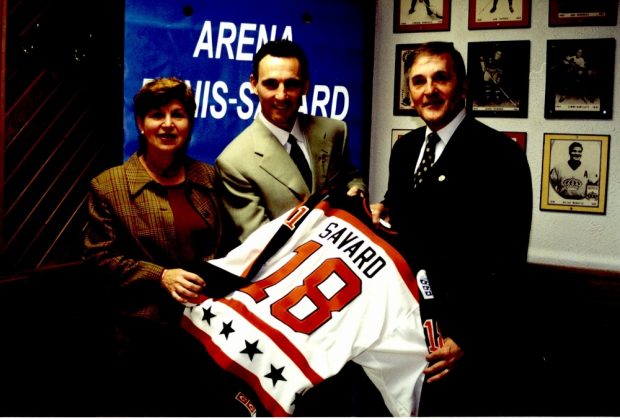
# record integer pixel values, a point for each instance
(353, 248)
(348, 240)
(377, 264)
(364, 257)
(337, 235)
(328, 230)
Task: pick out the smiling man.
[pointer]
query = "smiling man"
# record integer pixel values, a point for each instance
(283, 156)
(460, 195)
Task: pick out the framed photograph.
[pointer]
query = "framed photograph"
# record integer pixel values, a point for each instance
(574, 173)
(583, 13)
(402, 103)
(397, 133)
(498, 78)
(579, 78)
(518, 137)
(498, 14)
(421, 15)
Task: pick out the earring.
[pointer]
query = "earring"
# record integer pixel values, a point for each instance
(142, 132)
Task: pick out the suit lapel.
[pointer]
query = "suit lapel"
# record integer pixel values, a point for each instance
(275, 160)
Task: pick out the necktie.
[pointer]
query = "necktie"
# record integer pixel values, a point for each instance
(427, 159)
(300, 160)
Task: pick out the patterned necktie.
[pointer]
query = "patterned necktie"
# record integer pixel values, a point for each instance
(300, 160)
(427, 159)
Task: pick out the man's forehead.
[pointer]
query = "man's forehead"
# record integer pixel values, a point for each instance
(426, 56)
(442, 62)
(279, 67)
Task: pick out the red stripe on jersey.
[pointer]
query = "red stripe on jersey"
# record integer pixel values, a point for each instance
(278, 337)
(228, 364)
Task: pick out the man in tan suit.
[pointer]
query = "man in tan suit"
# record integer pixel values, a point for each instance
(261, 180)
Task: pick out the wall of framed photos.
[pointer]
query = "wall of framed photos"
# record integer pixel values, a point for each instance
(542, 104)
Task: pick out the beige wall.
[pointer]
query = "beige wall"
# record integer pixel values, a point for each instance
(558, 238)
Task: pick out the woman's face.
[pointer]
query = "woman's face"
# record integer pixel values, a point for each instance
(166, 128)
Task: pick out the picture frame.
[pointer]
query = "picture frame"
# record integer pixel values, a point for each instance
(583, 13)
(402, 103)
(498, 75)
(518, 137)
(427, 16)
(580, 190)
(579, 78)
(397, 133)
(499, 14)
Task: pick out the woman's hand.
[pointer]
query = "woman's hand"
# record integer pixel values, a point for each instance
(181, 284)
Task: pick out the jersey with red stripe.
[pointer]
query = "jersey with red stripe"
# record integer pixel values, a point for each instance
(324, 288)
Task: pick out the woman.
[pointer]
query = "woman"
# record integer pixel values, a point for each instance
(152, 220)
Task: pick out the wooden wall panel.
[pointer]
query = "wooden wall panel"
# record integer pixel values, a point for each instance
(62, 120)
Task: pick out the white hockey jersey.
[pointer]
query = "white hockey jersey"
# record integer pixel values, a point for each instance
(325, 289)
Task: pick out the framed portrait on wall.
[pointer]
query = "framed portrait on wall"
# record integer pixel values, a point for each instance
(402, 103)
(574, 173)
(397, 133)
(583, 13)
(498, 14)
(498, 78)
(518, 137)
(579, 78)
(421, 15)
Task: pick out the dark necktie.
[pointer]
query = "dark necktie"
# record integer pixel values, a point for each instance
(427, 159)
(300, 160)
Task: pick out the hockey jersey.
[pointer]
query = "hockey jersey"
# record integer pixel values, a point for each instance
(323, 288)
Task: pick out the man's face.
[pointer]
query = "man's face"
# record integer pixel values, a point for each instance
(280, 87)
(434, 90)
(575, 153)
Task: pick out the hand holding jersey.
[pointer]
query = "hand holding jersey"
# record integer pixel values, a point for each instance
(325, 289)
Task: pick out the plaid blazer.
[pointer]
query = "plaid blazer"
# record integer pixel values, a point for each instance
(131, 237)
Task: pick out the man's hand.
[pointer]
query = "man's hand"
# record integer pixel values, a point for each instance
(442, 360)
(181, 284)
(379, 211)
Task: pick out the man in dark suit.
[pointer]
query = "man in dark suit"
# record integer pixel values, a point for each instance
(465, 225)
(261, 181)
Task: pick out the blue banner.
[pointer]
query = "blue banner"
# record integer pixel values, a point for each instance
(210, 45)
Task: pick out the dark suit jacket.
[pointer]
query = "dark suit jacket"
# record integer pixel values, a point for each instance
(260, 179)
(468, 225)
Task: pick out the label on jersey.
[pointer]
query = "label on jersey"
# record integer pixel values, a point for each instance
(245, 401)
(424, 285)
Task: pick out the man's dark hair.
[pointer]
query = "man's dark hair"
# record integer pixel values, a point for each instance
(438, 48)
(574, 145)
(282, 48)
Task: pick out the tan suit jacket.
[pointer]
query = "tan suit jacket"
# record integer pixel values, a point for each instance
(261, 181)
